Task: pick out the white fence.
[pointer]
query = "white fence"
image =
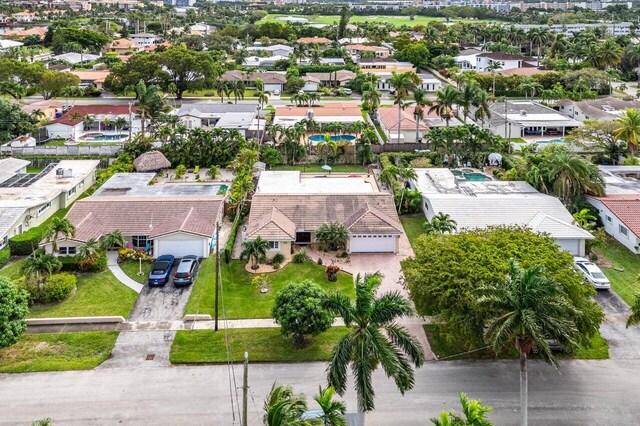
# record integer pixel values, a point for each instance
(101, 150)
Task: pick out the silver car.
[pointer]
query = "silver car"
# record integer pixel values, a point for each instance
(592, 273)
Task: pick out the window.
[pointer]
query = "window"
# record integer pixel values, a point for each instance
(624, 231)
(139, 241)
(44, 208)
(608, 218)
(71, 192)
(274, 245)
(4, 241)
(67, 251)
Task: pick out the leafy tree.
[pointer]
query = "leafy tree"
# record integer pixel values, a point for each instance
(213, 172)
(374, 340)
(599, 135)
(473, 414)
(14, 307)
(271, 157)
(332, 411)
(284, 408)
(344, 21)
(446, 99)
(526, 309)
(585, 218)
(187, 69)
(59, 227)
(40, 267)
(333, 236)
(141, 66)
(440, 224)
(299, 310)
(294, 84)
(15, 122)
(417, 53)
(112, 240)
(634, 318)
(254, 250)
(87, 39)
(53, 83)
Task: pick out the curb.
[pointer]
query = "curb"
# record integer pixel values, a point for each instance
(196, 317)
(74, 320)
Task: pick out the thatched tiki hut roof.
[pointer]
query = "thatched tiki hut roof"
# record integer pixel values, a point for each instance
(151, 161)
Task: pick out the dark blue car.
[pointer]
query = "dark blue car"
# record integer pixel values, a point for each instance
(162, 266)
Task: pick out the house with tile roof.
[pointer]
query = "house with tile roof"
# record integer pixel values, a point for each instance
(289, 207)
(73, 126)
(314, 80)
(271, 80)
(356, 50)
(122, 46)
(322, 42)
(412, 130)
(328, 113)
(602, 109)
(481, 204)
(91, 78)
(176, 219)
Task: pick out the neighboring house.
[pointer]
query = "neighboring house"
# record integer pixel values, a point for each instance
(75, 58)
(620, 209)
(4, 20)
(388, 117)
(355, 50)
(353, 40)
(9, 44)
(215, 114)
(505, 60)
(466, 59)
(176, 219)
(272, 80)
(289, 207)
(71, 125)
(28, 199)
(527, 118)
(35, 31)
(384, 68)
(201, 29)
(315, 80)
(145, 39)
(122, 46)
(602, 109)
(95, 78)
(322, 42)
(23, 17)
(329, 113)
(474, 205)
(281, 50)
(49, 108)
(263, 62)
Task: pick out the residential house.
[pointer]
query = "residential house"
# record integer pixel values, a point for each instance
(527, 119)
(289, 207)
(176, 219)
(263, 61)
(145, 39)
(4, 20)
(23, 17)
(601, 109)
(315, 80)
(481, 204)
(48, 109)
(9, 44)
(506, 61)
(322, 42)
(122, 46)
(35, 31)
(353, 40)
(92, 78)
(466, 59)
(201, 29)
(619, 210)
(242, 117)
(287, 116)
(388, 118)
(28, 199)
(72, 125)
(384, 68)
(75, 58)
(281, 50)
(271, 80)
(356, 50)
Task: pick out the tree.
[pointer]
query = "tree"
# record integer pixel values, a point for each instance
(526, 309)
(14, 307)
(468, 97)
(59, 227)
(344, 20)
(629, 129)
(299, 310)
(572, 176)
(294, 84)
(15, 122)
(111, 240)
(326, 147)
(474, 414)
(332, 411)
(237, 88)
(333, 236)
(420, 101)
(87, 39)
(254, 250)
(187, 69)
(89, 250)
(634, 318)
(585, 218)
(529, 87)
(440, 224)
(492, 68)
(402, 83)
(599, 135)
(40, 267)
(213, 172)
(632, 51)
(363, 145)
(374, 340)
(53, 83)
(284, 408)
(446, 99)
(151, 104)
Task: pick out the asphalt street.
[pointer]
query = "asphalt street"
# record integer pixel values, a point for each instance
(582, 393)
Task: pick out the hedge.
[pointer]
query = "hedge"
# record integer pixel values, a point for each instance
(5, 254)
(228, 248)
(69, 263)
(25, 243)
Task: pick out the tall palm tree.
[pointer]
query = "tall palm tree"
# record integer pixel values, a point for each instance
(371, 100)
(403, 83)
(254, 250)
(538, 37)
(374, 340)
(57, 228)
(89, 121)
(367, 138)
(89, 249)
(446, 99)
(492, 68)
(238, 88)
(469, 97)
(151, 104)
(263, 97)
(629, 129)
(529, 87)
(483, 109)
(332, 411)
(474, 414)
(119, 124)
(420, 102)
(526, 309)
(572, 176)
(610, 53)
(632, 52)
(283, 408)
(440, 224)
(326, 147)
(112, 240)
(40, 267)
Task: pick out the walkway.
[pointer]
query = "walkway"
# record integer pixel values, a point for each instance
(115, 269)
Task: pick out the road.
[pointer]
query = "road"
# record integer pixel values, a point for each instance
(582, 393)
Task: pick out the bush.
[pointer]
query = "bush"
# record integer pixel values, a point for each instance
(5, 254)
(301, 256)
(96, 263)
(332, 273)
(228, 248)
(69, 263)
(131, 254)
(277, 259)
(15, 307)
(25, 243)
(319, 262)
(57, 288)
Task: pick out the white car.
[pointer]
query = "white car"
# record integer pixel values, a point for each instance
(592, 273)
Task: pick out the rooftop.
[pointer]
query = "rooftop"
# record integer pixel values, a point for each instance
(530, 113)
(621, 180)
(212, 109)
(77, 113)
(293, 182)
(10, 166)
(137, 185)
(311, 40)
(626, 208)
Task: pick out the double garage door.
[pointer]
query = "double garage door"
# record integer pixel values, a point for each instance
(376, 243)
(180, 248)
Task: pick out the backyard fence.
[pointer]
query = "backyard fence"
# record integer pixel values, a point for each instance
(98, 151)
(398, 147)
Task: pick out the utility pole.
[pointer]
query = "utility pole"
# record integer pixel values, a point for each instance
(217, 273)
(245, 389)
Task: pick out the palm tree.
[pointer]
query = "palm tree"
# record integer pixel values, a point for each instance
(327, 146)
(40, 267)
(529, 87)
(363, 145)
(445, 100)
(527, 309)
(119, 124)
(88, 121)
(420, 102)
(374, 340)
(263, 97)
(220, 87)
(237, 88)
(632, 52)
(572, 176)
(629, 129)
(585, 218)
(492, 68)
(468, 97)
(89, 250)
(283, 408)
(440, 224)
(483, 110)
(112, 240)
(371, 100)
(59, 227)
(474, 414)
(254, 250)
(610, 53)
(538, 37)
(151, 104)
(403, 83)
(316, 56)
(332, 411)
(333, 236)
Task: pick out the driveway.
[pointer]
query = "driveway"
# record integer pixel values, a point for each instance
(624, 343)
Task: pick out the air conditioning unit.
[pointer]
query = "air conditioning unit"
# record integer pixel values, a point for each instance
(60, 173)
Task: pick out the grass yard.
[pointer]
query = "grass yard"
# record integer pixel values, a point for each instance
(395, 20)
(131, 268)
(453, 348)
(56, 352)
(263, 345)
(625, 283)
(316, 168)
(412, 224)
(12, 270)
(97, 294)
(241, 299)
(34, 169)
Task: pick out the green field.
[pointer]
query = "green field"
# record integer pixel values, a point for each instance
(412, 224)
(398, 21)
(625, 274)
(131, 268)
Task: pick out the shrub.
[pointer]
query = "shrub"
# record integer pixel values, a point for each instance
(319, 262)
(277, 259)
(57, 288)
(5, 254)
(15, 307)
(228, 248)
(131, 254)
(96, 263)
(333, 236)
(301, 256)
(180, 171)
(332, 273)
(69, 263)
(25, 243)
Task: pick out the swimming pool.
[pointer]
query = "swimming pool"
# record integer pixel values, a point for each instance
(476, 177)
(551, 141)
(93, 137)
(337, 138)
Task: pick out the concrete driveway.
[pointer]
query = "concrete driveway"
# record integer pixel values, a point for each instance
(624, 343)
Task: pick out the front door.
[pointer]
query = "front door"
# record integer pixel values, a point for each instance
(303, 237)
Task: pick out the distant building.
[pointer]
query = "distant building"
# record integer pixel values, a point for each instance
(519, 119)
(603, 109)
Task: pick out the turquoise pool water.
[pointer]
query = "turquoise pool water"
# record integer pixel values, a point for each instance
(476, 177)
(551, 142)
(320, 138)
(102, 138)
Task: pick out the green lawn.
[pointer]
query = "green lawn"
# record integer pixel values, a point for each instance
(412, 224)
(55, 142)
(625, 283)
(448, 347)
(56, 352)
(131, 268)
(97, 294)
(242, 299)
(316, 168)
(263, 345)
(395, 20)
(12, 270)
(34, 169)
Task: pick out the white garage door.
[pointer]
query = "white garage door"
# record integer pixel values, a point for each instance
(373, 243)
(181, 248)
(572, 246)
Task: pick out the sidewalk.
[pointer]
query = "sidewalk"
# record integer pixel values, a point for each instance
(115, 269)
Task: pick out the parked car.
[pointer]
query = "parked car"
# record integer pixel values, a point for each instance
(592, 273)
(348, 91)
(554, 345)
(160, 271)
(186, 272)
